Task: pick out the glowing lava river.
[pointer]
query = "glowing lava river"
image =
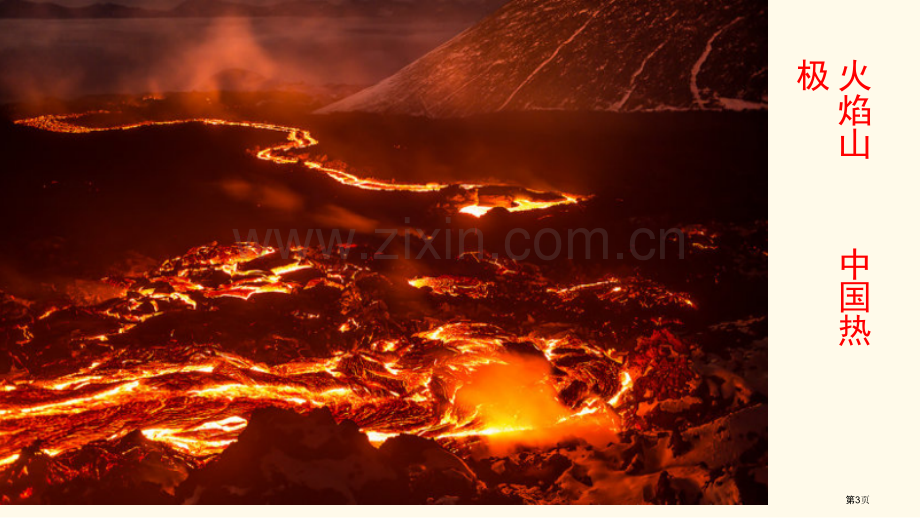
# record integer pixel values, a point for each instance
(466, 352)
(292, 152)
(193, 384)
(173, 355)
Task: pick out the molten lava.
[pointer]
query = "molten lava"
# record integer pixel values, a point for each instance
(188, 350)
(152, 359)
(293, 152)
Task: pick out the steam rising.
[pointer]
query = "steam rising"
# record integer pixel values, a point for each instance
(71, 58)
(229, 45)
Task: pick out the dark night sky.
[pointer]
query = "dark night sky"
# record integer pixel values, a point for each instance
(69, 58)
(476, 5)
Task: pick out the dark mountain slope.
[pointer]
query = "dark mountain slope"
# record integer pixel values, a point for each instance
(622, 55)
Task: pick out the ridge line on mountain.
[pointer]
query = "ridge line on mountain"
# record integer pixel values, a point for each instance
(551, 58)
(632, 79)
(695, 70)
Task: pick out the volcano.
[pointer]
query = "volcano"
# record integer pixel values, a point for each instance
(587, 55)
(407, 331)
(239, 372)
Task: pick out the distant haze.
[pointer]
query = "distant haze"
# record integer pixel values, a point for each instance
(474, 5)
(72, 58)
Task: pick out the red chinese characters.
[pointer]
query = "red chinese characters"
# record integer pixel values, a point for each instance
(859, 328)
(856, 262)
(854, 77)
(809, 75)
(854, 297)
(854, 111)
(851, 111)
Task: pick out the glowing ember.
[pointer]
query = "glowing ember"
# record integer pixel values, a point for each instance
(453, 286)
(476, 210)
(626, 384)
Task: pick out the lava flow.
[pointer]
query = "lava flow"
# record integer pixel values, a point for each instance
(181, 360)
(293, 152)
(191, 348)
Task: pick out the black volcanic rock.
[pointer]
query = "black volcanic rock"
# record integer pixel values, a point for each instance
(129, 470)
(434, 472)
(283, 457)
(623, 55)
